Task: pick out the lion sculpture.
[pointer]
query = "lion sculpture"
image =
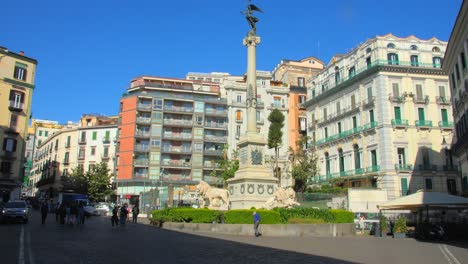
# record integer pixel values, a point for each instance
(282, 198)
(218, 198)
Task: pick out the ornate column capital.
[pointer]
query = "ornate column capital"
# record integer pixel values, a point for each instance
(251, 41)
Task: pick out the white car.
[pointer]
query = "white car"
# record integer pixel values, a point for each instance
(103, 209)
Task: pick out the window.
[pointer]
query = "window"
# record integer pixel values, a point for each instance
(81, 153)
(437, 62)
(199, 120)
(16, 99)
(392, 59)
(391, 46)
(94, 135)
(155, 157)
(325, 114)
(395, 89)
(426, 162)
(198, 147)
(327, 164)
(301, 82)
(157, 104)
(5, 167)
(338, 108)
(238, 130)
(20, 73)
(65, 172)
(413, 47)
(354, 122)
(404, 186)
(401, 156)
(435, 49)
(419, 92)
(198, 133)
(238, 115)
(369, 93)
(454, 83)
(155, 143)
(66, 158)
(199, 107)
(39, 142)
(46, 133)
(9, 144)
(302, 99)
(368, 62)
(463, 60)
(452, 186)
(93, 151)
(353, 101)
(83, 136)
(339, 127)
(106, 152)
(107, 137)
(325, 132)
(457, 71)
(239, 98)
(40, 133)
(337, 75)
(13, 121)
(156, 130)
(442, 91)
(428, 183)
(352, 72)
(341, 158)
(397, 112)
(414, 60)
(357, 157)
(302, 123)
(421, 114)
(68, 141)
(371, 116)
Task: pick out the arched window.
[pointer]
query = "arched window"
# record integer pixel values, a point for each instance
(393, 59)
(413, 47)
(238, 115)
(357, 158)
(341, 157)
(391, 46)
(327, 164)
(352, 72)
(437, 62)
(368, 50)
(337, 75)
(435, 49)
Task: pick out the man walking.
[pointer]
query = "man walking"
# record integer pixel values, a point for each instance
(44, 211)
(135, 212)
(256, 218)
(115, 216)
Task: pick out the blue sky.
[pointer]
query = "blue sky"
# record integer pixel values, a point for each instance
(88, 50)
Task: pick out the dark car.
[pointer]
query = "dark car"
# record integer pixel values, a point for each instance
(15, 210)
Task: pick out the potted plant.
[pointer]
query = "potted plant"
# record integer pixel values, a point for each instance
(383, 226)
(400, 229)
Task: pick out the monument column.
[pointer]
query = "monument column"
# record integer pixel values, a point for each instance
(251, 43)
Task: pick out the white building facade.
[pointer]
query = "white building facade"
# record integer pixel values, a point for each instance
(379, 117)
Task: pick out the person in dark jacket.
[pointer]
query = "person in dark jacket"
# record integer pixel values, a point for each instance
(135, 212)
(44, 211)
(123, 214)
(256, 218)
(115, 216)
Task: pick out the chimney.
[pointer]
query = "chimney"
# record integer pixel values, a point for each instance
(21, 53)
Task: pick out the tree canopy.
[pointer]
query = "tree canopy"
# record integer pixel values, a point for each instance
(304, 164)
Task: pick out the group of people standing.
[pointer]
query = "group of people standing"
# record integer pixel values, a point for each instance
(120, 215)
(66, 213)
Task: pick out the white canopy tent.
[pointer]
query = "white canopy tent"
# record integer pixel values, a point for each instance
(426, 200)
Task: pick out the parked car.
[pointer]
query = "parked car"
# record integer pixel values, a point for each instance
(103, 209)
(89, 210)
(15, 210)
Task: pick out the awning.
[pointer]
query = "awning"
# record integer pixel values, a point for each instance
(427, 200)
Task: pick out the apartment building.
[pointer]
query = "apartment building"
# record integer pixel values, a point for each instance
(172, 133)
(296, 74)
(84, 145)
(379, 117)
(17, 76)
(455, 64)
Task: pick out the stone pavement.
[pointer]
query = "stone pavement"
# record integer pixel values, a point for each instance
(98, 242)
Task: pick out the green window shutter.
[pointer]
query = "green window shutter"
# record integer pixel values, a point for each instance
(46, 133)
(371, 115)
(397, 111)
(106, 152)
(94, 135)
(354, 122)
(444, 115)
(40, 133)
(421, 114)
(404, 186)
(107, 134)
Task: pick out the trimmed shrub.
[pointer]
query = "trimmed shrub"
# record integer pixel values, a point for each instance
(188, 215)
(246, 217)
(305, 221)
(305, 213)
(342, 216)
(400, 226)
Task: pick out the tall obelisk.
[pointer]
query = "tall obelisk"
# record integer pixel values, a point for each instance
(253, 184)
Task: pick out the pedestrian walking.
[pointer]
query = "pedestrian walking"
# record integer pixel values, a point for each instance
(256, 218)
(62, 213)
(135, 212)
(57, 212)
(80, 219)
(115, 216)
(68, 213)
(123, 214)
(44, 211)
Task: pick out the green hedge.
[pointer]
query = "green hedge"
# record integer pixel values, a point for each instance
(305, 213)
(187, 215)
(246, 217)
(342, 216)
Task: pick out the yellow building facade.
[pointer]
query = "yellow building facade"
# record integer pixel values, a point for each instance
(17, 74)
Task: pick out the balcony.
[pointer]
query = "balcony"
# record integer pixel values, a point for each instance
(105, 158)
(143, 120)
(222, 126)
(214, 112)
(450, 168)
(178, 122)
(368, 102)
(185, 137)
(142, 148)
(446, 125)
(356, 173)
(16, 106)
(241, 103)
(176, 164)
(426, 167)
(400, 123)
(142, 134)
(260, 121)
(373, 169)
(421, 99)
(396, 99)
(81, 157)
(144, 107)
(82, 141)
(67, 145)
(423, 124)
(403, 167)
(176, 150)
(178, 109)
(279, 106)
(371, 125)
(443, 100)
(213, 152)
(212, 138)
(106, 140)
(66, 162)
(210, 165)
(141, 163)
(341, 135)
(140, 175)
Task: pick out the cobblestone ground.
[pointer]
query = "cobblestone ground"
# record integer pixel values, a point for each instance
(98, 242)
